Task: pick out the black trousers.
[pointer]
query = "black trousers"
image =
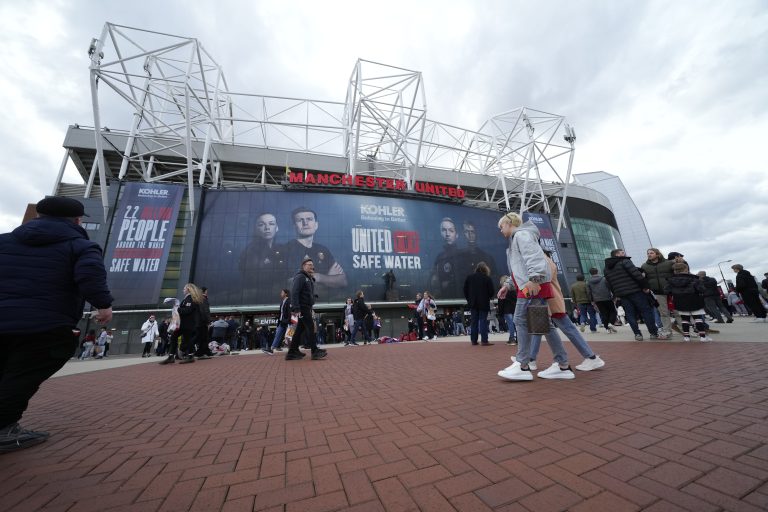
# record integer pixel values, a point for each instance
(752, 301)
(607, 312)
(26, 361)
(305, 327)
(188, 340)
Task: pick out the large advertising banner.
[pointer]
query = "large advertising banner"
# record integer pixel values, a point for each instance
(548, 241)
(140, 242)
(251, 244)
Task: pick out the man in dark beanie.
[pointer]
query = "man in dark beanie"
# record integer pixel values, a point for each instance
(48, 269)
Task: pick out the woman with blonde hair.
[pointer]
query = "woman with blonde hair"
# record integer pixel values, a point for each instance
(191, 320)
(530, 276)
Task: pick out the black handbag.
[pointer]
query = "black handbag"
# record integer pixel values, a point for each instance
(537, 315)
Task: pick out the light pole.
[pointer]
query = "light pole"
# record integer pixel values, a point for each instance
(723, 275)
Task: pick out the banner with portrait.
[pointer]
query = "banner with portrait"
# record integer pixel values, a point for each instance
(140, 241)
(251, 244)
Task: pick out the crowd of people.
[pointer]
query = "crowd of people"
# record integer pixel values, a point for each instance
(662, 294)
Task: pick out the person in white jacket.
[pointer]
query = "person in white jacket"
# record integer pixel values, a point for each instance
(149, 331)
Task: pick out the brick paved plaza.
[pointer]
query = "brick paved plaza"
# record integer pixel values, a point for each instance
(412, 426)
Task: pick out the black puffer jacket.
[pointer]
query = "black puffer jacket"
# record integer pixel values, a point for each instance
(48, 268)
(710, 287)
(623, 277)
(687, 292)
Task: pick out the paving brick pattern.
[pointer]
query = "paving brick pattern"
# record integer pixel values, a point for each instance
(413, 426)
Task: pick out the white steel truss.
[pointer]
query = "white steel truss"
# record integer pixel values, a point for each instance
(384, 119)
(182, 112)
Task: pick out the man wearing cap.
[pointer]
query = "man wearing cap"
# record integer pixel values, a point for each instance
(302, 299)
(48, 269)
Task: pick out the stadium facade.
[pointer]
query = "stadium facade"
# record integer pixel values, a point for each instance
(193, 182)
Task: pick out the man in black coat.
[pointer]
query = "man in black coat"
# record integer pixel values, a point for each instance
(479, 290)
(746, 286)
(627, 282)
(302, 299)
(48, 269)
(361, 312)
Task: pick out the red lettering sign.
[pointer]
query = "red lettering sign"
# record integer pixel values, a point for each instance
(406, 242)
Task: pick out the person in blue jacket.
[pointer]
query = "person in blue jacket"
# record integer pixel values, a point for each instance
(48, 269)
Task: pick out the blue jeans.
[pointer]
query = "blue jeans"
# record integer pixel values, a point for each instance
(478, 325)
(458, 327)
(524, 339)
(657, 318)
(635, 303)
(587, 311)
(570, 331)
(279, 335)
(510, 319)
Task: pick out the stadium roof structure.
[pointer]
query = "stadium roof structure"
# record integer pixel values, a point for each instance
(183, 120)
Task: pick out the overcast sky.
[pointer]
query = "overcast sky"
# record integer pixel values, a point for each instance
(670, 96)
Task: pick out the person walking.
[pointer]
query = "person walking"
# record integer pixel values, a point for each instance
(149, 332)
(563, 322)
(283, 320)
(204, 333)
(360, 312)
(600, 294)
(713, 304)
(507, 310)
(48, 269)
(746, 286)
(580, 297)
(349, 321)
(627, 282)
(302, 300)
(192, 327)
(531, 276)
(478, 291)
(162, 327)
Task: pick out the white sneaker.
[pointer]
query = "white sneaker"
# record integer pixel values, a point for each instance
(531, 364)
(705, 339)
(511, 367)
(515, 373)
(434, 337)
(591, 364)
(425, 338)
(554, 372)
(686, 338)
